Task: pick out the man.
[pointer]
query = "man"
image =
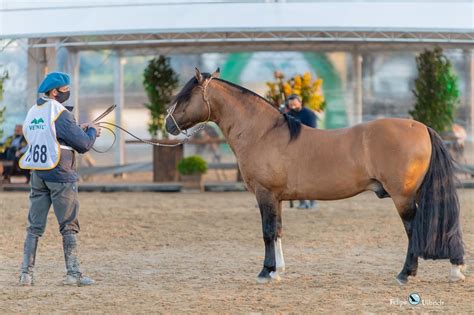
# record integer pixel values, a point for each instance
(308, 118)
(16, 143)
(13, 147)
(53, 138)
(298, 111)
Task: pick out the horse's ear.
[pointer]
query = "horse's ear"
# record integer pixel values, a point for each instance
(199, 75)
(216, 73)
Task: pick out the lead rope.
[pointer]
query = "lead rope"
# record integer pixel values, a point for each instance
(102, 123)
(170, 114)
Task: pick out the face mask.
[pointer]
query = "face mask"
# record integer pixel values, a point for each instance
(62, 96)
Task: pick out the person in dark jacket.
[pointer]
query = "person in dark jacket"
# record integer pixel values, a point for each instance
(12, 149)
(53, 138)
(306, 117)
(298, 111)
(15, 144)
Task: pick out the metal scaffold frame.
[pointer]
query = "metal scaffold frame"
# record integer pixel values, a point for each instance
(258, 40)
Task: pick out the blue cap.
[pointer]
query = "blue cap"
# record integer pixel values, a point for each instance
(54, 80)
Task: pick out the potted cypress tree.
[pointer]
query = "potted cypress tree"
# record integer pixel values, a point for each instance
(160, 81)
(436, 91)
(191, 170)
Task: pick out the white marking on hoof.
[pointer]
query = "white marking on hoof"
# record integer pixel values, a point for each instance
(275, 276)
(280, 261)
(456, 274)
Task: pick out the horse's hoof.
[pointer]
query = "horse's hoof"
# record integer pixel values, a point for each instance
(401, 280)
(456, 273)
(457, 278)
(281, 269)
(272, 277)
(261, 280)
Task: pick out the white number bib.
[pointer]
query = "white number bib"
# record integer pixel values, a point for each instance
(43, 151)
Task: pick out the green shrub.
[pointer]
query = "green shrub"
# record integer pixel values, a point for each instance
(436, 91)
(192, 165)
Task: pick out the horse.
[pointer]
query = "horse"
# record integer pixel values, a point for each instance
(398, 158)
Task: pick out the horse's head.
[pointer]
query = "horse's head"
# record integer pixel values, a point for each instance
(191, 106)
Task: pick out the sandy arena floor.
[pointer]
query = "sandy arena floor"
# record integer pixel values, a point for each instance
(200, 253)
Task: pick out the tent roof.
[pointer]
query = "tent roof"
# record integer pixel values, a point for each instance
(155, 23)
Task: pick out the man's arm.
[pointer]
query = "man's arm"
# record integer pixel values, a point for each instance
(68, 131)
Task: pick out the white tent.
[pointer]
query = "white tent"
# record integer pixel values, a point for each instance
(84, 25)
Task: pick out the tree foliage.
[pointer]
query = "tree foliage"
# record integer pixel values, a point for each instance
(436, 91)
(159, 81)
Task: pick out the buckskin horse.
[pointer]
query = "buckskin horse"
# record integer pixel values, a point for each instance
(398, 158)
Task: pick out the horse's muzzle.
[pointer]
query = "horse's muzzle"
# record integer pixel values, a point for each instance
(171, 127)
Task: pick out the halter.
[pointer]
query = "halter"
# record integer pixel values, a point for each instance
(201, 124)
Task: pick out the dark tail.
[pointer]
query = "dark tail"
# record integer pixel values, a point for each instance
(436, 228)
(294, 126)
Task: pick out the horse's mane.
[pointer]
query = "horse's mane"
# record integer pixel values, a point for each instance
(184, 95)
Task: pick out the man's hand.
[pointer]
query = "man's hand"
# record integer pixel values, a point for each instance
(97, 128)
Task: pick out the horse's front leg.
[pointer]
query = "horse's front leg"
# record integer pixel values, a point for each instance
(280, 261)
(268, 210)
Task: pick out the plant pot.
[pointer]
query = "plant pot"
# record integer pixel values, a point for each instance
(192, 182)
(165, 161)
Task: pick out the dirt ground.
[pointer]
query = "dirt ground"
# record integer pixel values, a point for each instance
(201, 253)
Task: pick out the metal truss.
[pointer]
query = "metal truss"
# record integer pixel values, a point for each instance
(221, 41)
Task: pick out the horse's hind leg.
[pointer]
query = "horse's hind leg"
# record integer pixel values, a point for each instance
(406, 210)
(411, 261)
(268, 210)
(280, 261)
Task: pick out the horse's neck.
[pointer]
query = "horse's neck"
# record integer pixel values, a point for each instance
(243, 118)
